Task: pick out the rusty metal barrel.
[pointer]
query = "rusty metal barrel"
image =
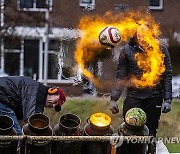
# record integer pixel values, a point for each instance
(38, 125)
(69, 125)
(6, 128)
(99, 124)
(134, 124)
(133, 146)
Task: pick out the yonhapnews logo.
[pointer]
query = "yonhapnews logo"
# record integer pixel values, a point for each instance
(116, 140)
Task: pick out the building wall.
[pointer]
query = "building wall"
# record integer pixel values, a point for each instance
(67, 14)
(168, 17)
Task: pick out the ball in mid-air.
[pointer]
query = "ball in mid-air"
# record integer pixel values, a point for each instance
(110, 37)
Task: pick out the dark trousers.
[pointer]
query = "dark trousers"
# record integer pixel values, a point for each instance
(152, 108)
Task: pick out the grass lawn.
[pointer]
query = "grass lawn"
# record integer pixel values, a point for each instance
(173, 148)
(83, 107)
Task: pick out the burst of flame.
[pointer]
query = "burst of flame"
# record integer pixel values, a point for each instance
(152, 64)
(88, 46)
(100, 119)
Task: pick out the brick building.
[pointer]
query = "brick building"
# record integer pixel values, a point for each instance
(25, 31)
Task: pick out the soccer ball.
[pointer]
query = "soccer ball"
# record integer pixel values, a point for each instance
(135, 117)
(110, 37)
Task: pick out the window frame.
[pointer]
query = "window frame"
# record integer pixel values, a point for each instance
(160, 7)
(59, 79)
(34, 9)
(86, 4)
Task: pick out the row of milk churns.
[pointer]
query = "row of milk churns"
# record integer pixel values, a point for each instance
(69, 125)
(98, 124)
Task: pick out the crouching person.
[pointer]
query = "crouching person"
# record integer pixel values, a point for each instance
(20, 97)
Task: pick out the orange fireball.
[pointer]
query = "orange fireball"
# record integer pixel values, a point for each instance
(88, 46)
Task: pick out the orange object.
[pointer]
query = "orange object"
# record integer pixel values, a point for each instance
(113, 149)
(52, 91)
(100, 119)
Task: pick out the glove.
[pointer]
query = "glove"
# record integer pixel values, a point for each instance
(114, 107)
(166, 106)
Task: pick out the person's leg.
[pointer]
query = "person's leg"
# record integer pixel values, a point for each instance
(129, 103)
(152, 108)
(4, 110)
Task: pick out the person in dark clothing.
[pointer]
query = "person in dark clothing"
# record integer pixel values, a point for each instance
(153, 100)
(22, 96)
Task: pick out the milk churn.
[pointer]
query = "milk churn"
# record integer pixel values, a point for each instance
(69, 125)
(99, 124)
(6, 128)
(38, 125)
(134, 124)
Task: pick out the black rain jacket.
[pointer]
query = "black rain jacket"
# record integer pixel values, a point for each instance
(23, 95)
(127, 67)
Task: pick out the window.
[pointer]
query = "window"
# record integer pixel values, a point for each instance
(26, 3)
(34, 5)
(156, 4)
(87, 4)
(61, 59)
(12, 66)
(86, 1)
(12, 54)
(31, 58)
(12, 43)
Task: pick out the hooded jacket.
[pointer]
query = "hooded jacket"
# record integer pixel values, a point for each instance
(23, 95)
(127, 67)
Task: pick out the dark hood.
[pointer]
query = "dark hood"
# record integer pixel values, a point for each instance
(133, 41)
(134, 44)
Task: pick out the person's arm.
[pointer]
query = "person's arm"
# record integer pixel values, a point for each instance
(33, 97)
(29, 104)
(167, 82)
(120, 82)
